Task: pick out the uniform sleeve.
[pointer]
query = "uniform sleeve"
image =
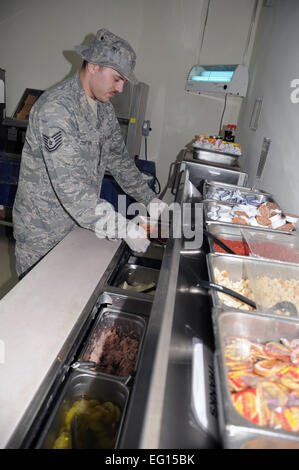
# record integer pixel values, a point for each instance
(124, 170)
(66, 164)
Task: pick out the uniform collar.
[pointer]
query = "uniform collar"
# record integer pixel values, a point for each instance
(83, 102)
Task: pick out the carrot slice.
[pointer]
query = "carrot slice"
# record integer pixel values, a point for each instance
(239, 221)
(286, 227)
(241, 214)
(265, 211)
(265, 221)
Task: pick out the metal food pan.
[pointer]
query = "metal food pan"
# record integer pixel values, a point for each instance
(135, 275)
(261, 196)
(236, 430)
(227, 232)
(244, 267)
(153, 253)
(272, 246)
(209, 204)
(84, 386)
(131, 325)
(200, 172)
(215, 157)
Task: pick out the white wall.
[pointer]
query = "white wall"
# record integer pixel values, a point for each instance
(36, 50)
(274, 65)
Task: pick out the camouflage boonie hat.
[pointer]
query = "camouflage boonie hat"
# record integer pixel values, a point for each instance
(110, 50)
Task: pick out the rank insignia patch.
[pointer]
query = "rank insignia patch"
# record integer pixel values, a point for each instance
(53, 143)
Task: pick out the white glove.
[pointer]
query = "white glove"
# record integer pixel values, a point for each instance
(136, 236)
(156, 208)
(112, 224)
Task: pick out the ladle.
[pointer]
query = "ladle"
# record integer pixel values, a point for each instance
(285, 307)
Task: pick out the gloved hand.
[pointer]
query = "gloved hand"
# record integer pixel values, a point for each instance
(156, 208)
(113, 225)
(136, 236)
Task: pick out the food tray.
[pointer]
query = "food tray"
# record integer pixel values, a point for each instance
(135, 275)
(272, 246)
(236, 430)
(224, 232)
(83, 385)
(208, 206)
(211, 156)
(131, 325)
(244, 267)
(211, 186)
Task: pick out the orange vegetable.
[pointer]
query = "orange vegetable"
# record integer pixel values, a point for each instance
(265, 211)
(286, 227)
(263, 221)
(239, 221)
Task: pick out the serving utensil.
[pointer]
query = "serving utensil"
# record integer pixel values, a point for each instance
(285, 307)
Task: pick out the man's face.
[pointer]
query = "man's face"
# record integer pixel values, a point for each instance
(105, 82)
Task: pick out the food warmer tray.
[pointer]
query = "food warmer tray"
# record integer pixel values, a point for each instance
(226, 232)
(246, 267)
(209, 204)
(236, 431)
(212, 156)
(127, 307)
(261, 196)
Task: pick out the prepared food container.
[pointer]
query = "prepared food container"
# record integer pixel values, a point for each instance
(254, 410)
(263, 281)
(211, 209)
(272, 246)
(230, 193)
(98, 403)
(114, 344)
(232, 236)
(211, 156)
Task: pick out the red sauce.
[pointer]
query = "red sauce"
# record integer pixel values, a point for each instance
(276, 251)
(238, 246)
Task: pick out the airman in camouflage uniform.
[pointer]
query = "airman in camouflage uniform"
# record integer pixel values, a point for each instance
(67, 150)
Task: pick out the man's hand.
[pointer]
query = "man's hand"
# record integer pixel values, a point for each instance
(136, 236)
(113, 225)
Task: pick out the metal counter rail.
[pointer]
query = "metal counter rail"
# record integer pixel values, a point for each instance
(160, 413)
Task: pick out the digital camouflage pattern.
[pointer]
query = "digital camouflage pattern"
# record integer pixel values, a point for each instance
(110, 50)
(66, 153)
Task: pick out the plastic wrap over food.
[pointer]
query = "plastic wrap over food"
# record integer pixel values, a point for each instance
(264, 381)
(267, 215)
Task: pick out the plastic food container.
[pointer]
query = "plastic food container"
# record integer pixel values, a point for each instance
(98, 404)
(272, 246)
(236, 430)
(114, 344)
(264, 281)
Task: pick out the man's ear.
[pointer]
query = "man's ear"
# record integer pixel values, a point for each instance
(92, 68)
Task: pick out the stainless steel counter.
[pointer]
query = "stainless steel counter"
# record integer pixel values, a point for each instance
(162, 412)
(172, 404)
